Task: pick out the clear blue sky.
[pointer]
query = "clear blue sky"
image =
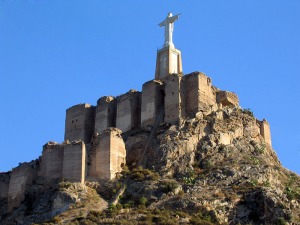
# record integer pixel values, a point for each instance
(55, 54)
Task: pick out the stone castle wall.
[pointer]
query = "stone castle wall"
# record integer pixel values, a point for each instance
(20, 178)
(171, 100)
(152, 102)
(52, 160)
(94, 147)
(128, 111)
(4, 184)
(175, 97)
(266, 132)
(199, 93)
(80, 122)
(105, 113)
(227, 98)
(110, 154)
(74, 162)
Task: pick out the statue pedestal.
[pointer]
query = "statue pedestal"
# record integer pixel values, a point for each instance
(168, 61)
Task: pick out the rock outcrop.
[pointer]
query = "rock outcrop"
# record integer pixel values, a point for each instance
(212, 169)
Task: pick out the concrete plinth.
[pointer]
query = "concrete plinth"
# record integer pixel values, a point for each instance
(168, 61)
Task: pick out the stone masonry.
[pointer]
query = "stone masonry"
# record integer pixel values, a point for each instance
(105, 113)
(227, 98)
(94, 148)
(74, 162)
(110, 154)
(152, 102)
(4, 184)
(52, 160)
(80, 123)
(128, 111)
(266, 132)
(21, 177)
(97, 150)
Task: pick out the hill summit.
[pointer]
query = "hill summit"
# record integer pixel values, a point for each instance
(181, 151)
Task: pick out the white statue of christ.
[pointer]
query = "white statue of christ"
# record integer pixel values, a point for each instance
(169, 26)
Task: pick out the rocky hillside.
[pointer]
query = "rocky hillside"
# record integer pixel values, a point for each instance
(212, 169)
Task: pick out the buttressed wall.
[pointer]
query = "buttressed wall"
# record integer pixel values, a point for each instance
(80, 122)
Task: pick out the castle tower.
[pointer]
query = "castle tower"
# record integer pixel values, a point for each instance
(168, 59)
(110, 154)
(80, 120)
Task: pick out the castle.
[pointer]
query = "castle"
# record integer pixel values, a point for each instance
(94, 148)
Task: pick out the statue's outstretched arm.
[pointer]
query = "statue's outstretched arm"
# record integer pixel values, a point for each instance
(163, 23)
(173, 18)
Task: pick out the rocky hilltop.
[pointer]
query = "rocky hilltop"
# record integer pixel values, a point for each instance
(181, 151)
(215, 168)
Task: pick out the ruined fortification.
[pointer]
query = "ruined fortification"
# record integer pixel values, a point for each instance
(93, 147)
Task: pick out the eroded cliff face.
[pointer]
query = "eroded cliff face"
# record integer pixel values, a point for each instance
(216, 168)
(225, 165)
